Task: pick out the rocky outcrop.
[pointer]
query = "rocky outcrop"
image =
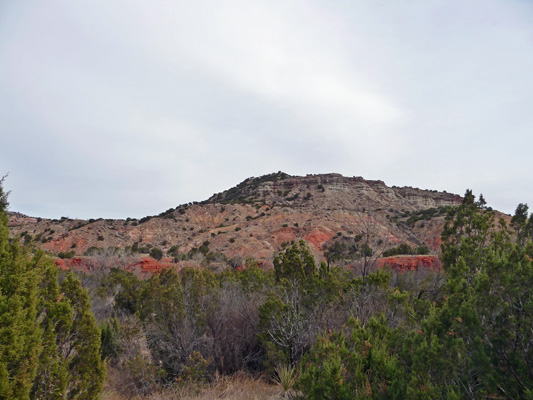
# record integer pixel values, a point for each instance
(410, 263)
(335, 190)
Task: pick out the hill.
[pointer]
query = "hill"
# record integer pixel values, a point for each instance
(259, 217)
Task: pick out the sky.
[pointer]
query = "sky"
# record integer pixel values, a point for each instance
(126, 108)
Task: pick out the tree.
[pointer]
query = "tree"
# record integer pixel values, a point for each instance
(285, 325)
(49, 342)
(335, 252)
(522, 225)
(341, 250)
(466, 233)
(20, 333)
(485, 318)
(371, 246)
(81, 349)
(296, 262)
(3, 196)
(473, 341)
(163, 313)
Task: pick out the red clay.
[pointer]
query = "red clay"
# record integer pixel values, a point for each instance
(409, 263)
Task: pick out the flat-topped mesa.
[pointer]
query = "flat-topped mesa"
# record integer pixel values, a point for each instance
(332, 191)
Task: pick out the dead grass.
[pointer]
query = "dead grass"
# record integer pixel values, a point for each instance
(236, 387)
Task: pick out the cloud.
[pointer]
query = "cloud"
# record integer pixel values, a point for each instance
(129, 108)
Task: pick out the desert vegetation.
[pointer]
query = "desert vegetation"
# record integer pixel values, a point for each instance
(302, 329)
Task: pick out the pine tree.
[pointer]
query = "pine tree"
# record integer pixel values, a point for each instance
(81, 348)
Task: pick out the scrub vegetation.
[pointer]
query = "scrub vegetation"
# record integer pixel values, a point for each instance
(302, 330)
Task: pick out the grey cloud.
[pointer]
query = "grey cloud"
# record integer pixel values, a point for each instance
(119, 109)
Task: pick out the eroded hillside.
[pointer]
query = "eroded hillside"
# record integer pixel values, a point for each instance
(257, 218)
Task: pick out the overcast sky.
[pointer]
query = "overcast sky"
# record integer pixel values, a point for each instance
(121, 109)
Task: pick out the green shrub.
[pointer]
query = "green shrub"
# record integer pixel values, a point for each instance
(156, 253)
(355, 366)
(197, 368)
(66, 254)
(173, 251)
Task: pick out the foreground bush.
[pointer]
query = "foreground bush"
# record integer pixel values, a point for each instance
(49, 341)
(475, 341)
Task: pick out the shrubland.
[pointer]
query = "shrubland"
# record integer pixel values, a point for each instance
(303, 329)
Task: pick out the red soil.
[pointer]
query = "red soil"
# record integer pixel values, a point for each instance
(409, 263)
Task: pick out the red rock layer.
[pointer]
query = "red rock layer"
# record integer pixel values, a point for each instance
(146, 266)
(409, 263)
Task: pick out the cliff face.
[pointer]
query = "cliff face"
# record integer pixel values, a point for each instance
(334, 190)
(258, 217)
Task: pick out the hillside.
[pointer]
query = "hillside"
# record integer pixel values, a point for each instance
(258, 217)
